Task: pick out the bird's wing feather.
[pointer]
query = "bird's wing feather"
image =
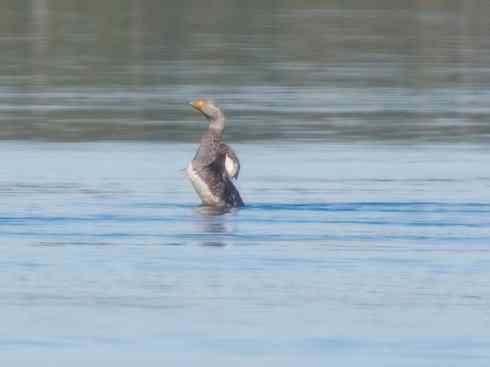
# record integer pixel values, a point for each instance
(231, 163)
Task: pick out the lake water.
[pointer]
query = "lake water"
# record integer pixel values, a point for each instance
(385, 70)
(347, 254)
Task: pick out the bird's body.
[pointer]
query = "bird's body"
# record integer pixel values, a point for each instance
(215, 163)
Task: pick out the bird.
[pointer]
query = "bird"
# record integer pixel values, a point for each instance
(215, 164)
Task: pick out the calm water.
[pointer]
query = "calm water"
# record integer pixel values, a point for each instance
(372, 255)
(385, 70)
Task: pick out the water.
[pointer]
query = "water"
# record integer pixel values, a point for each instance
(386, 70)
(365, 254)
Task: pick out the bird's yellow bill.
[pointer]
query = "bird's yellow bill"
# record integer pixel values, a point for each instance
(199, 104)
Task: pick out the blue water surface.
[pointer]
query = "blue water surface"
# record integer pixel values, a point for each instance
(348, 254)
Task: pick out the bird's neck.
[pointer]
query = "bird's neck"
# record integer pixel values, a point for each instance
(217, 123)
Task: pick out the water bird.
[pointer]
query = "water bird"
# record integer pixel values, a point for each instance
(215, 164)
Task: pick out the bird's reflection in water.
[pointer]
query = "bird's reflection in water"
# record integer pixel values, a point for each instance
(214, 225)
(212, 211)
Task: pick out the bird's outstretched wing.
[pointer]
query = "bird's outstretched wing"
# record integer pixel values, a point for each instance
(231, 163)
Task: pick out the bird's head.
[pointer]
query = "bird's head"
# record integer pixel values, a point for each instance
(207, 108)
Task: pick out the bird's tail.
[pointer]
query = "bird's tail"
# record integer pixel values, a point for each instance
(233, 197)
